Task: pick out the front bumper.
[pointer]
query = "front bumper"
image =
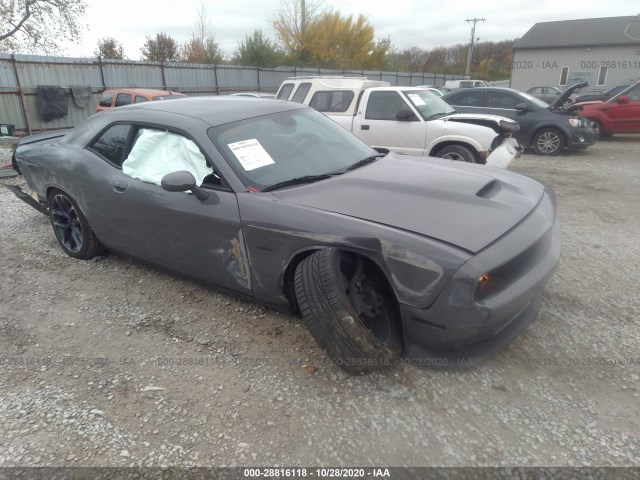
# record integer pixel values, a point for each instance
(581, 137)
(503, 155)
(458, 330)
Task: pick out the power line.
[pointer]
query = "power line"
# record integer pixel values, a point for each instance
(473, 35)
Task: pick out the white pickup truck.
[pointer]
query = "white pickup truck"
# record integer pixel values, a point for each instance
(408, 120)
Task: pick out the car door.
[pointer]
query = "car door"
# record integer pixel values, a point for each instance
(377, 125)
(173, 230)
(625, 117)
(503, 103)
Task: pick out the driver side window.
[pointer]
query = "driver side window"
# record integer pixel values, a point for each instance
(384, 105)
(157, 152)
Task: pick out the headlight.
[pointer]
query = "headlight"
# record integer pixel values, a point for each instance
(579, 122)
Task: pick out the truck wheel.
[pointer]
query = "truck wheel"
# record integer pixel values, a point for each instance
(457, 153)
(548, 141)
(71, 227)
(349, 310)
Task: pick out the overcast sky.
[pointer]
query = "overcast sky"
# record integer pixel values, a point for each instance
(422, 23)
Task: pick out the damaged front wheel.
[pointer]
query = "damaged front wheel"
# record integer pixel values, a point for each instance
(349, 309)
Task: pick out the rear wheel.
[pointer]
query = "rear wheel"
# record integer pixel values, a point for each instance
(548, 141)
(71, 227)
(457, 153)
(349, 309)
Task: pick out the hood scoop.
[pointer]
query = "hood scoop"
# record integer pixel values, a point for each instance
(490, 190)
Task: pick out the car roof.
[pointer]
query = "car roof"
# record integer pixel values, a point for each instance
(215, 110)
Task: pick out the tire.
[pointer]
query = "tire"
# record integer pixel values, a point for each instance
(357, 338)
(71, 227)
(567, 105)
(548, 141)
(457, 153)
(600, 131)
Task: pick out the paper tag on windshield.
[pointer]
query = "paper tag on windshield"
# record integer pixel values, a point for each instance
(416, 99)
(251, 154)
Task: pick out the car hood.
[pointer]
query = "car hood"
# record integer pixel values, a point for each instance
(496, 122)
(566, 94)
(468, 206)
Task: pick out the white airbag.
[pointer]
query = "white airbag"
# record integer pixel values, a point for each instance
(158, 152)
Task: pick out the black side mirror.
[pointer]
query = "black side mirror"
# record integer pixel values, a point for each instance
(522, 107)
(183, 181)
(406, 116)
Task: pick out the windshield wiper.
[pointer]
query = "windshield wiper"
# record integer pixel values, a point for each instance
(297, 181)
(365, 161)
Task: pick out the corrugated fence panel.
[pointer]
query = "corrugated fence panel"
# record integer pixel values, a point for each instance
(236, 79)
(191, 79)
(11, 110)
(133, 75)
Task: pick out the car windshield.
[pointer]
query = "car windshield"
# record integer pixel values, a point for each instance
(534, 100)
(271, 149)
(429, 105)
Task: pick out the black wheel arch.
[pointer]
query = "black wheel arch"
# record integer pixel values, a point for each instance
(449, 143)
(298, 257)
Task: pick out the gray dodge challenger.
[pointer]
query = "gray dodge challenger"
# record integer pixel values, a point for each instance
(384, 255)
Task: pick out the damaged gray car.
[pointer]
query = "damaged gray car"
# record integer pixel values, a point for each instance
(384, 255)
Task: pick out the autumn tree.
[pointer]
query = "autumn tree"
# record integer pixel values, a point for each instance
(40, 26)
(202, 46)
(291, 25)
(160, 48)
(109, 48)
(257, 51)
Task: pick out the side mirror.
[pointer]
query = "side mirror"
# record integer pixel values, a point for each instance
(522, 107)
(182, 181)
(623, 100)
(406, 116)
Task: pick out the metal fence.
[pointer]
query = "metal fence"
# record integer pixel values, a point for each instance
(20, 75)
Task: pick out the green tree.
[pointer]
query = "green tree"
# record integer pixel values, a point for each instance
(160, 48)
(257, 51)
(109, 48)
(40, 26)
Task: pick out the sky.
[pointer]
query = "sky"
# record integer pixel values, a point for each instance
(409, 23)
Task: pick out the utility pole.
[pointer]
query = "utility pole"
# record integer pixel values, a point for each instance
(473, 36)
(303, 20)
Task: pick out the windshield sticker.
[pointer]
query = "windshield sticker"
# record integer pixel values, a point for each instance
(416, 99)
(251, 154)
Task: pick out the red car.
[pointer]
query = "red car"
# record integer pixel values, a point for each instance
(118, 97)
(620, 114)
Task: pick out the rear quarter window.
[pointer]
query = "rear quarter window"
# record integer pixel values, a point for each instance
(333, 101)
(111, 144)
(285, 91)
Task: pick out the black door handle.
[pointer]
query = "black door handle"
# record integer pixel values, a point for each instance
(364, 127)
(119, 186)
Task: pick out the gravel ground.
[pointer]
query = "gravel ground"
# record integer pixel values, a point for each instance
(110, 363)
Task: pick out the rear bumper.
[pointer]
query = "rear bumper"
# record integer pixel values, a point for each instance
(460, 331)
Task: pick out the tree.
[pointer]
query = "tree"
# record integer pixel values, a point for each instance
(196, 51)
(40, 26)
(202, 47)
(333, 41)
(161, 48)
(257, 51)
(291, 25)
(109, 48)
